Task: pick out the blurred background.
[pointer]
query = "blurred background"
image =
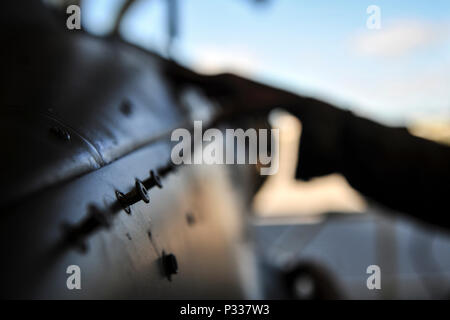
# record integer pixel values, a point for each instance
(398, 75)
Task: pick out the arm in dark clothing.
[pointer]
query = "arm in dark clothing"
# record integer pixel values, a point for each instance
(386, 164)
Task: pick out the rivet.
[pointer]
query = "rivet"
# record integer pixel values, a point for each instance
(126, 107)
(170, 265)
(154, 180)
(190, 218)
(61, 133)
(123, 201)
(139, 193)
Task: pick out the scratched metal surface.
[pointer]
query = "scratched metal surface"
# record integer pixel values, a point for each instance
(110, 97)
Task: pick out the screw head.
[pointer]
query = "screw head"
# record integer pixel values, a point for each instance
(142, 191)
(155, 179)
(123, 201)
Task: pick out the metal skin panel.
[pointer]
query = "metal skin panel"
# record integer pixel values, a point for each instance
(38, 151)
(111, 97)
(82, 118)
(196, 216)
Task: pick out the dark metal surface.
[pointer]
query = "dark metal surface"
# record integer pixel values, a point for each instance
(108, 97)
(120, 255)
(83, 119)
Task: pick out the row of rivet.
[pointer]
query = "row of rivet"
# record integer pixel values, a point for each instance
(97, 219)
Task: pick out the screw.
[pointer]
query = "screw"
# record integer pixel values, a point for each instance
(126, 107)
(170, 265)
(154, 180)
(122, 200)
(139, 193)
(164, 171)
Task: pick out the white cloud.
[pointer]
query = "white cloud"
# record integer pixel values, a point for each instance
(215, 59)
(399, 38)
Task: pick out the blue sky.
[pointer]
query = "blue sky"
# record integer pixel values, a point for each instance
(396, 74)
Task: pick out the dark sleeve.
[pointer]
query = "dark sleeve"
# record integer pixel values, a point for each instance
(386, 164)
